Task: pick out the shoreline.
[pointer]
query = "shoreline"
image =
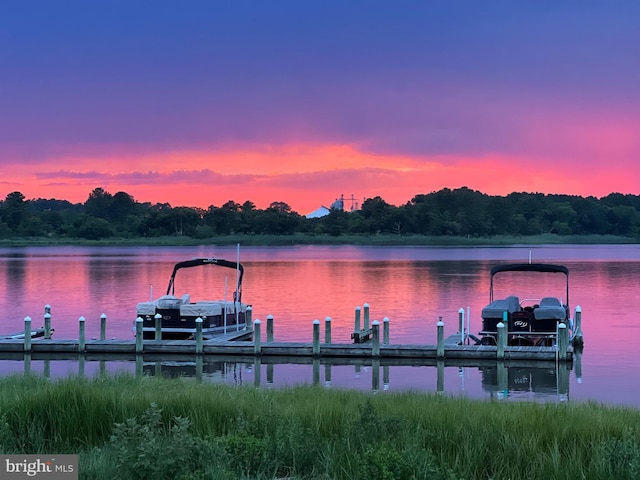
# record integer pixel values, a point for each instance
(304, 239)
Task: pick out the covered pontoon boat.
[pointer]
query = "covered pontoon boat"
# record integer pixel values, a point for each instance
(179, 314)
(528, 321)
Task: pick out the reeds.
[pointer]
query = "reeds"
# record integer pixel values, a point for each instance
(126, 427)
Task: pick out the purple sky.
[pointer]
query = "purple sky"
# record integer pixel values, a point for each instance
(138, 95)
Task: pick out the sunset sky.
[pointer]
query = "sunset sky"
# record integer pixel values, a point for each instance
(199, 102)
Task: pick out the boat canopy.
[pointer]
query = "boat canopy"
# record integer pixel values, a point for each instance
(196, 262)
(529, 267)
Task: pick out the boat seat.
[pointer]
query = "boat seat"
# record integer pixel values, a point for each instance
(550, 302)
(550, 308)
(496, 308)
(186, 299)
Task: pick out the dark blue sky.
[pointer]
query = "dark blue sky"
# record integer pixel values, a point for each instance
(542, 82)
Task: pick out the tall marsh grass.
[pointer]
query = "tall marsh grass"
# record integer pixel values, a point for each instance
(125, 427)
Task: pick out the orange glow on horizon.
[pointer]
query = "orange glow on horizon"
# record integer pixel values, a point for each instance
(303, 176)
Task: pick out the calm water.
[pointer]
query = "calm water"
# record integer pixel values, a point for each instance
(412, 286)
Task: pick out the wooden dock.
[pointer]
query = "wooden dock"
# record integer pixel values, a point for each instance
(370, 341)
(231, 347)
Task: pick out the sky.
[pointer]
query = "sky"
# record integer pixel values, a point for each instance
(196, 103)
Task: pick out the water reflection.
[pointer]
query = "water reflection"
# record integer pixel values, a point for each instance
(500, 380)
(412, 286)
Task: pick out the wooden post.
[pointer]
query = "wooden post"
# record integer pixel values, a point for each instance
(327, 330)
(366, 316)
(139, 343)
(269, 328)
(356, 327)
(375, 341)
(47, 326)
(440, 377)
(563, 341)
(158, 319)
(103, 326)
(27, 334)
(199, 347)
(502, 340)
(385, 330)
(316, 337)
(461, 320)
(248, 318)
(440, 346)
(578, 341)
(257, 348)
(81, 340)
(47, 321)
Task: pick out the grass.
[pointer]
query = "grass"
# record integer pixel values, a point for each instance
(126, 427)
(305, 239)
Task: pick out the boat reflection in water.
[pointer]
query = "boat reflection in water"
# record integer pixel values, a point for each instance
(500, 380)
(526, 381)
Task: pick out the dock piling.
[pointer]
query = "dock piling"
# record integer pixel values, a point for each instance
(316, 337)
(385, 330)
(103, 326)
(47, 326)
(139, 342)
(27, 334)
(440, 345)
(199, 348)
(257, 347)
(563, 341)
(269, 328)
(578, 341)
(248, 318)
(327, 330)
(365, 315)
(81, 339)
(158, 319)
(356, 326)
(375, 341)
(502, 340)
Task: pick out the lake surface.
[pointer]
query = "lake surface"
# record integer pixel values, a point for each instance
(412, 286)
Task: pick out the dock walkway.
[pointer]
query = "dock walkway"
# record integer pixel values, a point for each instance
(284, 349)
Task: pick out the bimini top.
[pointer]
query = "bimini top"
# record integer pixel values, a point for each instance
(208, 261)
(530, 267)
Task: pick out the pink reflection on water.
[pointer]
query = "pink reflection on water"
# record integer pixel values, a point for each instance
(411, 286)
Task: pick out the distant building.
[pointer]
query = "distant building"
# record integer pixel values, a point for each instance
(320, 212)
(338, 204)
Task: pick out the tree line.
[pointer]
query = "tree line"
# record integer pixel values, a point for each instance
(457, 212)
